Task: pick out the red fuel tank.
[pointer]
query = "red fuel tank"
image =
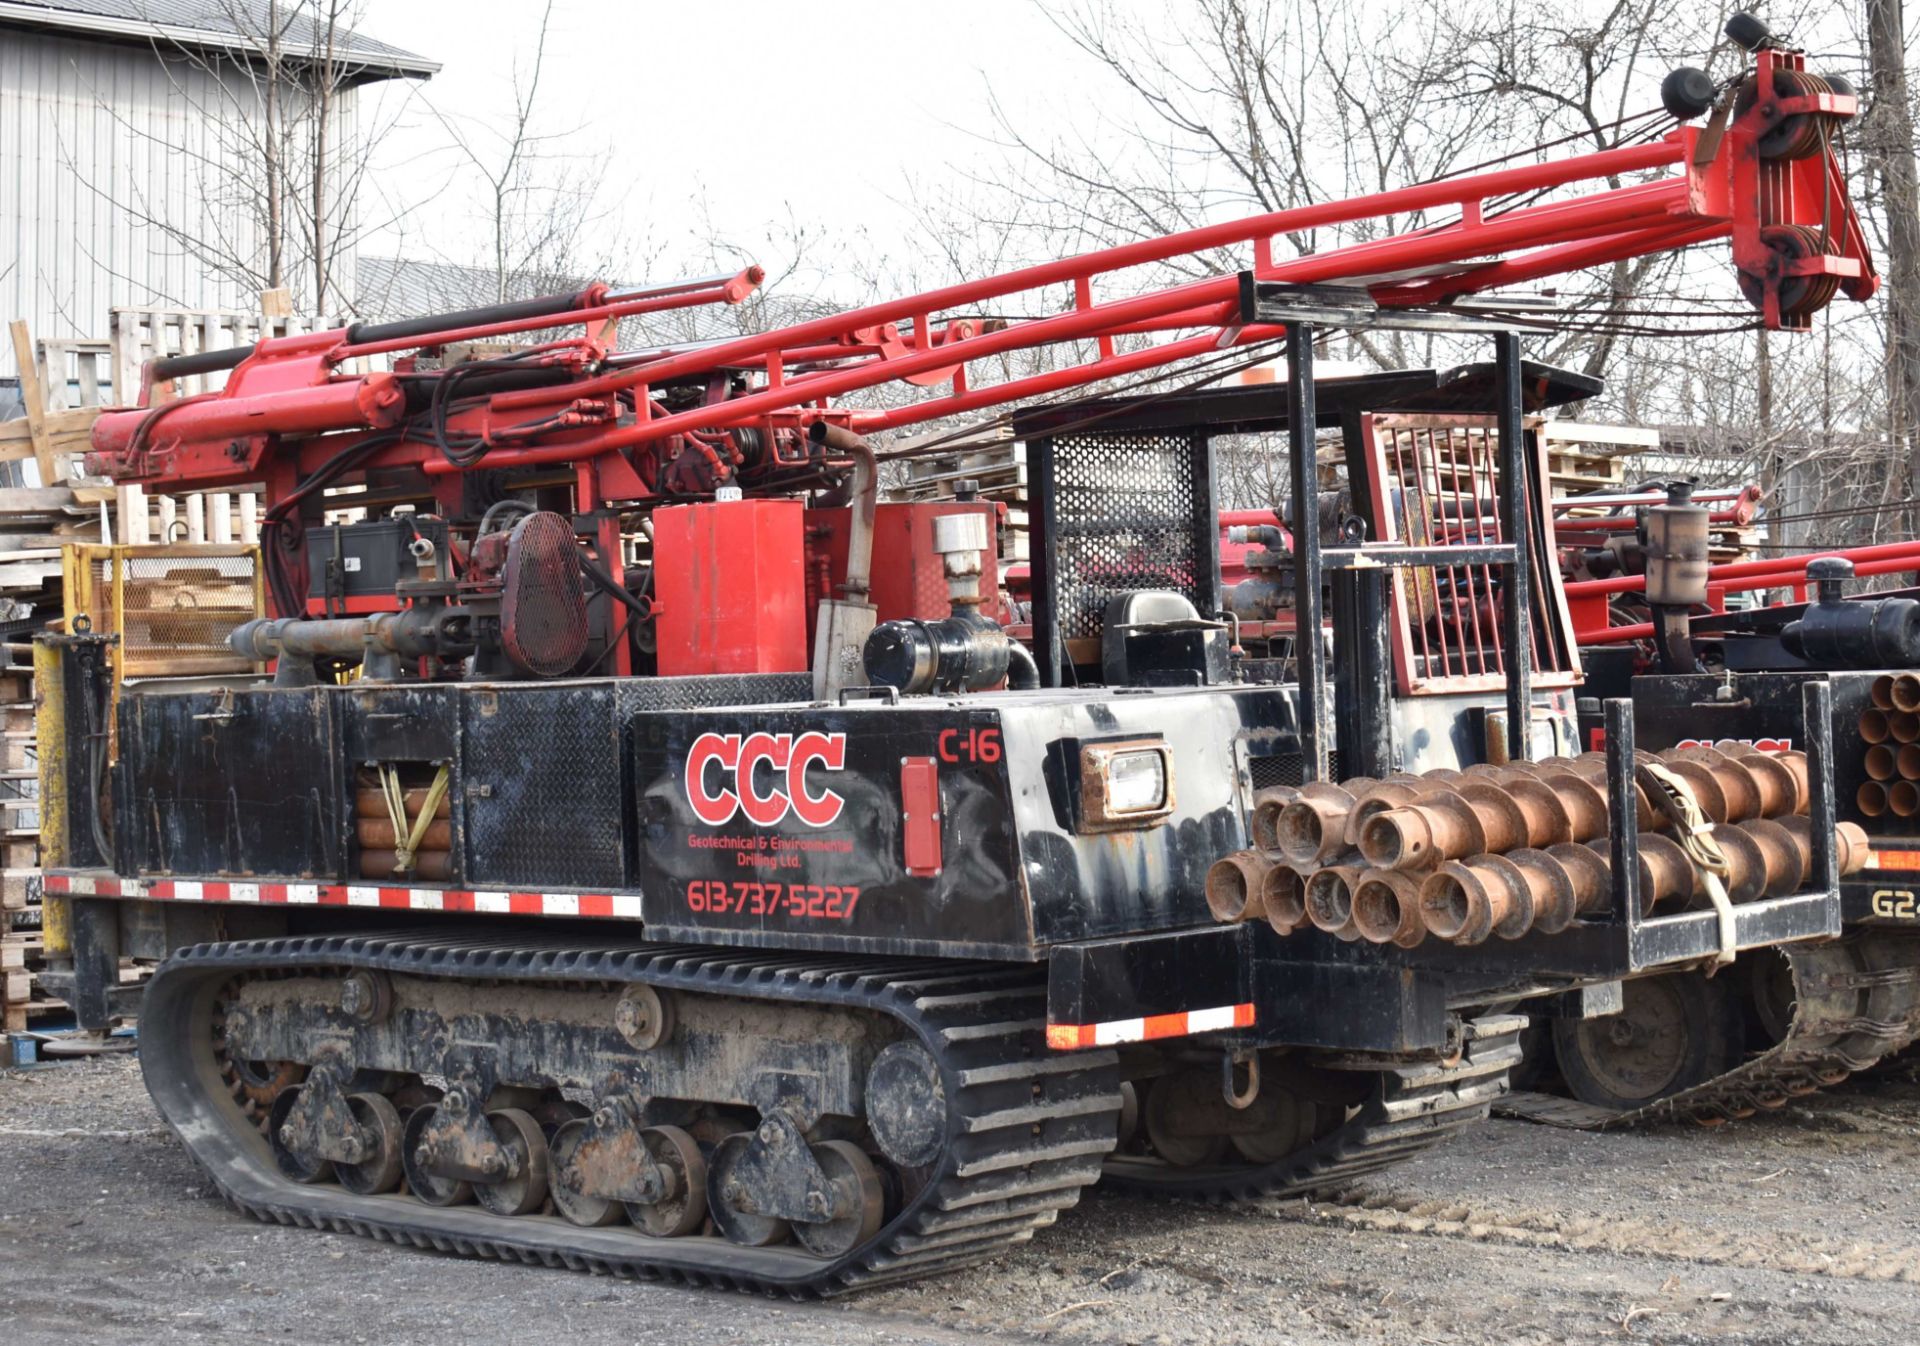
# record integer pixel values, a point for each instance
(729, 585)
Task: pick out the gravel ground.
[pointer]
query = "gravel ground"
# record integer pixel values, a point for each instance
(1797, 1228)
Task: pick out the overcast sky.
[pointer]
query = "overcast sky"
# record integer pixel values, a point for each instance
(831, 110)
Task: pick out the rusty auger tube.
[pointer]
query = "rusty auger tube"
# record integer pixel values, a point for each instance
(1666, 873)
(1386, 908)
(1284, 895)
(1470, 817)
(1870, 799)
(1882, 763)
(1313, 828)
(1391, 793)
(1235, 886)
(1903, 797)
(1849, 842)
(1905, 693)
(1267, 805)
(1467, 901)
(1330, 899)
(1782, 853)
(1732, 787)
(1875, 726)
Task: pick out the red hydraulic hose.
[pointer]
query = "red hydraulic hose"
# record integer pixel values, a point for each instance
(1620, 635)
(1778, 565)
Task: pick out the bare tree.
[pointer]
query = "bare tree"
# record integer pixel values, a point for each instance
(1890, 149)
(1237, 106)
(538, 191)
(279, 156)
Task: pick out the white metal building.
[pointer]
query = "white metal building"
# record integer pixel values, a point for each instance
(129, 172)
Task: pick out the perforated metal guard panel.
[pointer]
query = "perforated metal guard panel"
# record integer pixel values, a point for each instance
(1286, 768)
(545, 772)
(1124, 520)
(543, 612)
(175, 611)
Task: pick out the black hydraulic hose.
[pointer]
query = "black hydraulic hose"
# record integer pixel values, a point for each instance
(288, 596)
(96, 775)
(486, 520)
(200, 362)
(208, 362)
(557, 304)
(1023, 674)
(605, 582)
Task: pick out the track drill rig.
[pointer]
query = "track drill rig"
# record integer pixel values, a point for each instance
(1699, 676)
(699, 878)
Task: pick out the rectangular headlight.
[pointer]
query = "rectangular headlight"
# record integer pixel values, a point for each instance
(1125, 784)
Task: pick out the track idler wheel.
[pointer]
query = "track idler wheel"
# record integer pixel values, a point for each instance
(1177, 1120)
(262, 1082)
(1674, 1031)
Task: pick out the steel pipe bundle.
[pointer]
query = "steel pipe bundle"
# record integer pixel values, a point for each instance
(1890, 731)
(1505, 850)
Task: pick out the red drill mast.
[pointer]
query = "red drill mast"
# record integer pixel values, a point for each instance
(640, 427)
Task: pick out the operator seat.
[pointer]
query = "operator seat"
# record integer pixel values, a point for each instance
(1157, 638)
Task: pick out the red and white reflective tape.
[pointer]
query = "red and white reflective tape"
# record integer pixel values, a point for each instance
(497, 902)
(1070, 1037)
(1904, 860)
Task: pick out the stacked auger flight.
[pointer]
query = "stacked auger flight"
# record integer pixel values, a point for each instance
(1504, 850)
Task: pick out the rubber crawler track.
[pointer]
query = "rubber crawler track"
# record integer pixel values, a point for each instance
(1856, 1002)
(1027, 1129)
(1412, 1108)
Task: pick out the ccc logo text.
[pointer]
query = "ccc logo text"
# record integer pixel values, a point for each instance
(725, 773)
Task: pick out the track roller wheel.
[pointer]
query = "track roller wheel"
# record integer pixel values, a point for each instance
(856, 1184)
(380, 1170)
(1673, 1032)
(295, 1166)
(520, 1136)
(684, 1209)
(429, 1187)
(729, 1198)
(1168, 1106)
(575, 1206)
(414, 1095)
(554, 1113)
(1288, 1124)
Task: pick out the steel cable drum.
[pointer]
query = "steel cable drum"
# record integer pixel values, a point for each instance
(543, 606)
